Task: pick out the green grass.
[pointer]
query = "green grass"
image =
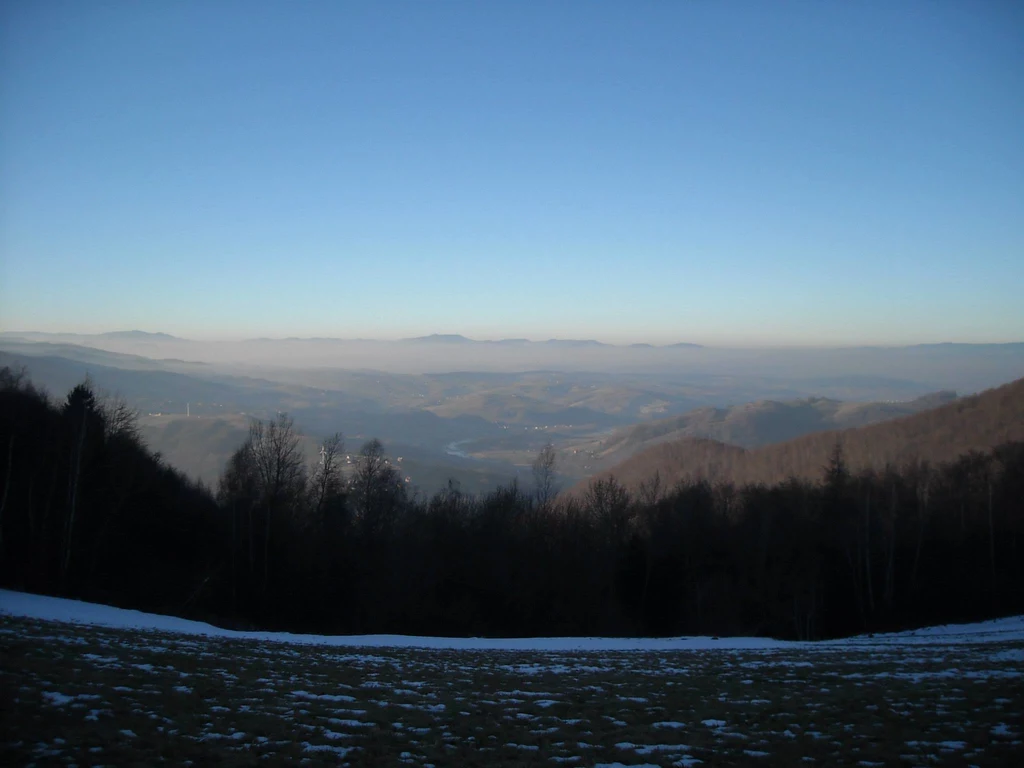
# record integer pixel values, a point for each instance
(141, 698)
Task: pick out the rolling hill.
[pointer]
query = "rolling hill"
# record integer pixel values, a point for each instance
(752, 425)
(978, 422)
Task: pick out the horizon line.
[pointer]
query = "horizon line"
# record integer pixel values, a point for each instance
(458, 338)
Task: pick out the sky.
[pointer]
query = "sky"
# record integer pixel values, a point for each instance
(722, 173)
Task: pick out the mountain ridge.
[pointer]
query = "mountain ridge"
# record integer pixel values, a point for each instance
(766, 421)
(944, 433)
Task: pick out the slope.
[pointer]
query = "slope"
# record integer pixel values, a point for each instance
(752, 425)
(978, 422)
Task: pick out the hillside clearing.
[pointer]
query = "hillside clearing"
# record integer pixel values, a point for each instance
(114, 695)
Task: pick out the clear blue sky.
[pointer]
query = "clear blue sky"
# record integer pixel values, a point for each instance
(797, 172)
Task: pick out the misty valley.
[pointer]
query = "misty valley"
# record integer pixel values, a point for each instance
(484, 427)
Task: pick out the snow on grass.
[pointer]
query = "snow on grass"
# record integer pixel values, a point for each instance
(56, 698)
(77, 687)
(341, 722)
(59, 609)
(322, 696)
(1015, 654)
(649, 749)
(339, 751)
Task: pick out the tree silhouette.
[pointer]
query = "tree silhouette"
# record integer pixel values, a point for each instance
(544, 479)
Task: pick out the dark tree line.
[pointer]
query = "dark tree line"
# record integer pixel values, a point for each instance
(87, 511)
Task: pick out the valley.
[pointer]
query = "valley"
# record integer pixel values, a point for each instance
(196, 413)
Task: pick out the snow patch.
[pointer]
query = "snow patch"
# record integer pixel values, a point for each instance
(45, 608)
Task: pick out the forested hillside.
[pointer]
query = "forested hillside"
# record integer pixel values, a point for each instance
(976, 423)
(87, 511)
(752, 425)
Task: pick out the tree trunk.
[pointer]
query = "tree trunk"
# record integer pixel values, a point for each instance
(31, 545)
(8, 479)
(45, 558)
(234, 549)
(867, 554)
(890, 576)
(252, 566)
(73, 478)
(922, 517)
(813, 610)
(853, 560)
(266, 551)
(113, 513)
(890, 572)
(991, 542)
(648, 567)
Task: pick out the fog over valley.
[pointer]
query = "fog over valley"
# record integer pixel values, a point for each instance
(479, 411)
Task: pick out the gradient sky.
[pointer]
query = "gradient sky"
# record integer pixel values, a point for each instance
(797, 172)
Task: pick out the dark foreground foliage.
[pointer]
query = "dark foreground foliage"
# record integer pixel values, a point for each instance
(87, 511)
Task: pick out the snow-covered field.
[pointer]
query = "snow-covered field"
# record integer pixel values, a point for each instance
(59, 609)
(98, 685)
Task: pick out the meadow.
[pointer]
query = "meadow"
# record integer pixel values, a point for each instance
(95, 695)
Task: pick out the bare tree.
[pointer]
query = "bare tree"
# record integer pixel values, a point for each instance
(651, 490)
(119, 418)
(544, 480)
(376, 487)
(277, 461)
(326, 481)
(13, 379)
(609, 503)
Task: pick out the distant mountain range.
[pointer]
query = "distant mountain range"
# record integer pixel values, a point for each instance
(112, 335)
(455, 338)
(577, 343)
(434, 338)
(980, 422)
(142, 335)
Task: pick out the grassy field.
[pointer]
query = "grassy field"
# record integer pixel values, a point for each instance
(94, 696)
